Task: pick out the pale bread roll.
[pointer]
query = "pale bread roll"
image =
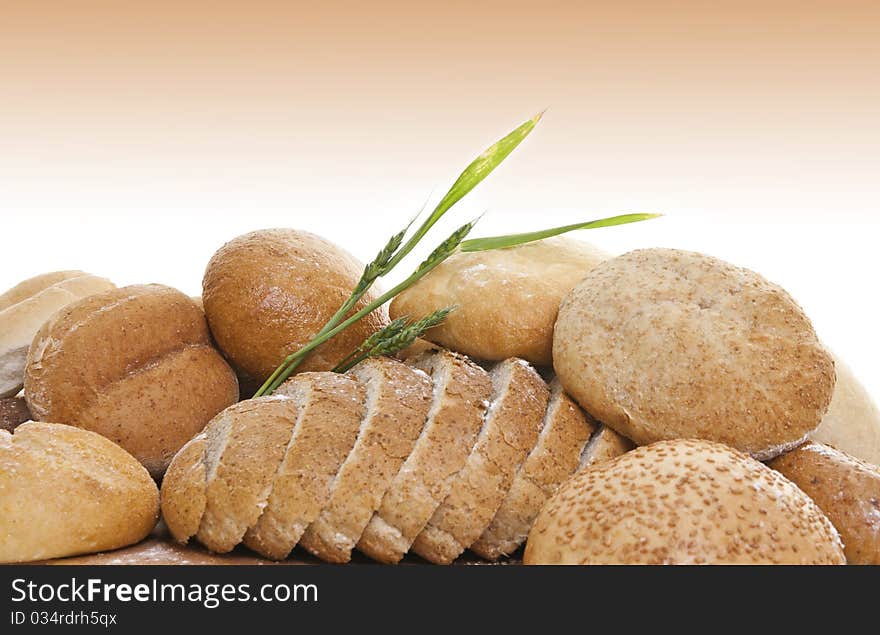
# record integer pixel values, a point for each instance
(510, 431)
(852, 423)
(136, 365)
(24, 309)
(507, 299)
(66, 491)
(846, 489)
(556, 455)
(685, 501)
(663, 344)
(460, 399)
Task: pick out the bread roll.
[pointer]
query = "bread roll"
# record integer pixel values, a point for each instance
(25, 307)
(663, 344)
(267, 293)
(13, 412)
(852, 423)
(507, 299)
(685, 501)
(66, 491)
(510, 431)
(183, 490)
(846, 489)
(134, 364)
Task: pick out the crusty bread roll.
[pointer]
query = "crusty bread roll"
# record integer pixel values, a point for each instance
(184, 490)
(13, 412)
(66, 491)
(846, 489)
(662, 344)
(134, 364)
(267, 293)
(684, 501)
(25, 307)
(460, 399)
(507, 299)
(397, 401)
(852, 423)
(331, 408)
(510, 431)
(555, 456)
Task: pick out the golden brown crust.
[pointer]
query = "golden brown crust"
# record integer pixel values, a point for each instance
(331, 408)
(510, 430)
(13, 412)
(92, 495)
(662, 344)
(135, 364)
(244, 447)
(183, 490)
(398, 399)
(846, 489)
(556, 455)
(685, 501)
(267, 293)
(852, 423)
(461, 393)
(507, 299)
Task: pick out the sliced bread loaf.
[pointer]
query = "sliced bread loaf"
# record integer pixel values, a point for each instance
(397, 403)
(509, 432)
(605, 444)
(183, 490)
(331, 408)
(244, 447)
(460, 397)
(555, 457)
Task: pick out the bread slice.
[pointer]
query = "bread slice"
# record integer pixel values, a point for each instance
(183, 490)
(460, 398)
(555, 457)
(244, 447)
(509, 432)
(605, 444)
(397, 404)
(331, 407)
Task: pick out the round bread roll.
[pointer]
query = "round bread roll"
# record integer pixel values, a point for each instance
(66, 491)
(852, 423)
(134, 364)
(507, 299)
(686, 501)
(25, 307)
(267, 293)
(665, 344)
(846, 489)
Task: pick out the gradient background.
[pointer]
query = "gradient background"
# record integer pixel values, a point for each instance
(137, 137)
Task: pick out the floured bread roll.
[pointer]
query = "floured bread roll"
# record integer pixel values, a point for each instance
(665, 344)
(852, 423)
(25, 307)
(66, 491)
(507, 299)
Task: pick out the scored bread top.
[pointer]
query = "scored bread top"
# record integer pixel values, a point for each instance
(512, 423)
(398, 399)
(244, 447)
(183, 490)
(685, 501)
(556, 455)
(331, 408)
(459, 400)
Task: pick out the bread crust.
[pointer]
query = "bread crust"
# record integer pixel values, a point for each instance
(268, 292)
(662, 344)
(461, 393)
(93, 496)
(183, 496)
(507, 299)
(397, 403)
(846, 489)
(685, 501)
(135, 364)
(510, 430)
(331, 408)
(564, 434)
